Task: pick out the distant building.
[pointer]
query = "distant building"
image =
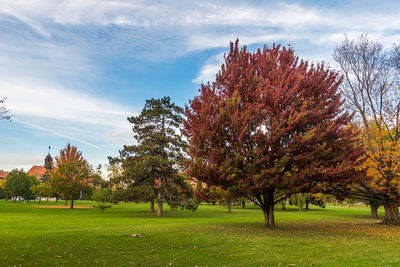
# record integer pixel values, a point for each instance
(37, 171)
(3, 175)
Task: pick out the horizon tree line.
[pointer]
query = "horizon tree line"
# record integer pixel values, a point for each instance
(271, 126)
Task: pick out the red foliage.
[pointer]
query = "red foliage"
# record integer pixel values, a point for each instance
(272, 125)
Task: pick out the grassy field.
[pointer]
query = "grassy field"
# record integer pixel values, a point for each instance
(335, 236)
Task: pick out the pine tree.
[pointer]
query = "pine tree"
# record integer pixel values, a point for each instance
(156, 160)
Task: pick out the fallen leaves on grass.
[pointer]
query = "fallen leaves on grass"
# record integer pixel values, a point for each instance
(63, 207)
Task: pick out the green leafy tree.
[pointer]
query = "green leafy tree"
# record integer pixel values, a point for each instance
(102, 196)
(42, 190)
(156, 160)
(18, 184)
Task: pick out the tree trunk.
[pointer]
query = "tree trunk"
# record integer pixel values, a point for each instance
(159, 205)
(72, 204)
(299, 202)
(391, 213)
(269, 216)
(283, 205)
(66, 202)
(243, 203)
(152, 205)
(229, 203)
(374, 205)
(56, 199)
(40, 200)
(268, 209)
(307, 203)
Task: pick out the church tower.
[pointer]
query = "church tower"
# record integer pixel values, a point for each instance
(48, 162)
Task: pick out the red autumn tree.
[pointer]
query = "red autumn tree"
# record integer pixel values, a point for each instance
(72, 175)
(273, 126)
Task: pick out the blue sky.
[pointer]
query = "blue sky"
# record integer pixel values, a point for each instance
(72, 71)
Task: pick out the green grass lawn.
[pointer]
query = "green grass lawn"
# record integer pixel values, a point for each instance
(335, 236)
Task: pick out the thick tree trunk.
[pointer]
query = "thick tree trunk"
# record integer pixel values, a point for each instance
(56, 199)
(391, 213)
(229, 203)
(374, 209)
(152, 206)
(268, 210)
(66, 202)
(269, 216)
(159, 205)
(40, 200)
(243, 203)
(307, 203)
(72, 204)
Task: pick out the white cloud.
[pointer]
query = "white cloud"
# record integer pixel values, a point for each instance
(24, 161)
(65, 112)
(210, 69)
(47, 49)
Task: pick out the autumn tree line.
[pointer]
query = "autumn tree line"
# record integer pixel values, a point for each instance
(270, 128)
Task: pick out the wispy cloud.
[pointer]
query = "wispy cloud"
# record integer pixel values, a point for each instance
(54, 53)
(209, 70)
(10, 160)
(65, 112)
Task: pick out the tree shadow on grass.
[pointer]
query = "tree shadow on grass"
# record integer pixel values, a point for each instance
(310, 229)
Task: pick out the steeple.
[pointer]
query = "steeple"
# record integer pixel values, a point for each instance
(48, 161)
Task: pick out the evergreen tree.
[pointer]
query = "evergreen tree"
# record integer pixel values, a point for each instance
(156, 160)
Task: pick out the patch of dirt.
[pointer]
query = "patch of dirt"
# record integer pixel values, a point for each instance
(64, 207)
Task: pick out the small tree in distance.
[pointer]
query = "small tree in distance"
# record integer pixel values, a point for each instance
(19, 183)
(72, 175)
(41, 190)
(102, 196)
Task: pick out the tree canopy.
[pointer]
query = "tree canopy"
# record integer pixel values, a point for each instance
(72, 175)
(19, 183)
(272, 125)
(371, 79)
(155, 162)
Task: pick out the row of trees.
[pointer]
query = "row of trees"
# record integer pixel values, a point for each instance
(70, 178)
(271, 127)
